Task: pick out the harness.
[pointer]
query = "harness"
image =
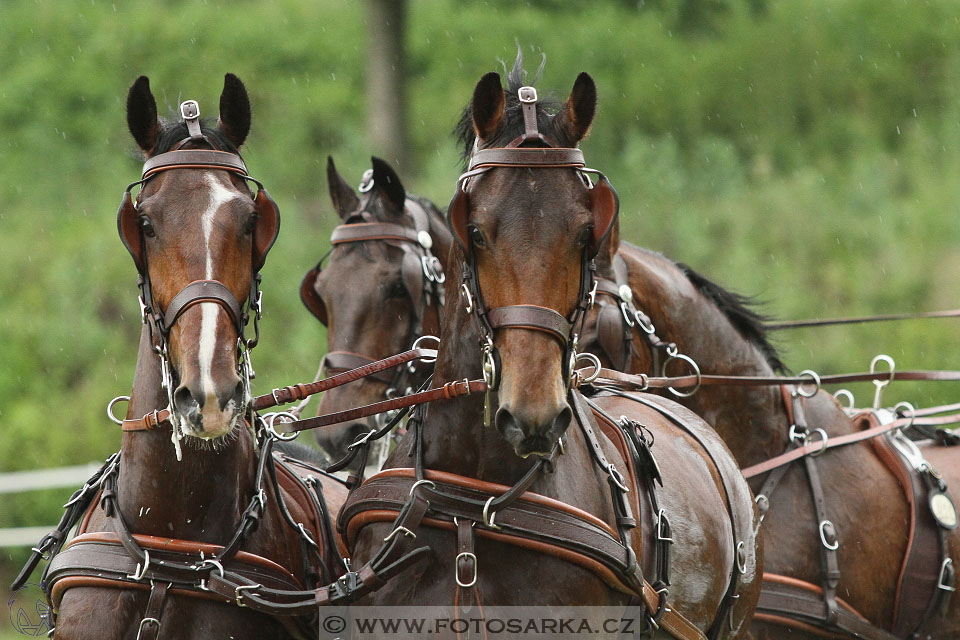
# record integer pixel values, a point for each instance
(160, 322)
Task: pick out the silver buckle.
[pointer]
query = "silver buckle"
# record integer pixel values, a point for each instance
(244, 587)
(527, 95)
(823, 536)
(189, 110)
(145, 621)
(456, 569)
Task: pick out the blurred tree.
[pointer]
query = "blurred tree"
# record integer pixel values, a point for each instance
(386, 70)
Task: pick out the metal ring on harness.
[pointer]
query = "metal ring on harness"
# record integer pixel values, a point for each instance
(593, 360)
(693, 365)
(456, 563)
(823, 441)
(880, 384)
(269, 420)
(416, 484)
(110, 404)
(814, 378)
(823, 536)
(488, 517)
(844, 393)
(909, 407)
(417, 345)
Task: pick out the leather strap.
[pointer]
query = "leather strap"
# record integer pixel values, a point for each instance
(794, 599)
(797, 324)
(194, 158)
(527, 156)
(363, 231)
(152, 617)
(203, 291)
(347, 360)
(528, 316)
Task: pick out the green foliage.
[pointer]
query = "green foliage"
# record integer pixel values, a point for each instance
(804, 152)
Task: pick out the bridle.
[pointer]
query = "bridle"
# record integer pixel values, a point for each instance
(160, 321)
(605, 206)
(421, 271)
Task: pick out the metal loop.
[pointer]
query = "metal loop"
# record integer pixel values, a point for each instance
(141, 571)
(880, 384)
(366, 181)
(644, 322)
(823, 536)
(418, 483)
(417, 345)
(110, 405)
(798, 435)
(145, 621)
(823, 441)
(741, 558)
(844, 393)
(270, 419)
(693, 365)
(627, 314)
(465, 291)
(593, 360)
(661, 518)
(489, 517)
(941, 581)
(400, 529)
(238, 596)
(490, 372)
(213, 563)
(814, 378)
(908, 407)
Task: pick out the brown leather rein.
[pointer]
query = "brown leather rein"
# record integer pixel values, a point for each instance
(827, 322)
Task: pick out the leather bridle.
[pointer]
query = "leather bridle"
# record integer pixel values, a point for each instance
(160, 321)
(605, 206)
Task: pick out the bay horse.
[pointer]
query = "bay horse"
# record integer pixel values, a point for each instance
(864, 485)
(527, 218)
(194, 496)
(381, 290)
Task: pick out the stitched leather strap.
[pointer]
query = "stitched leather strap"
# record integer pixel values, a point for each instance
(528, 316)
(203, 291)
(363, 231)
(534, 156)
(347, 360)
(153, 615)
(194, 158)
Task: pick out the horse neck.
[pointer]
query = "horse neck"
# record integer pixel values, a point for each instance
(199, 497)
(752, 420)
(454, 438)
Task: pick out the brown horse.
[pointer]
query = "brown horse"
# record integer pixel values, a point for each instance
(381, 289)
(864, 496)
(526, 232)
(199, 237)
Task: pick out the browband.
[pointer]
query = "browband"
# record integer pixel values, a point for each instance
(527, 156)
(194, 159)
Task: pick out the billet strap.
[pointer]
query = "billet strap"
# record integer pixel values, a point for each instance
(528, 316)
(363, 231)
(203, 291)
(194, 159)
(785, 600)
(153, 615)
(153, 420)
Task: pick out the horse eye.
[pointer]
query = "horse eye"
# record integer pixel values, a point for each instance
(476, 237)
(147, 227)
(251, 223)
(396, 289)
(585, 236)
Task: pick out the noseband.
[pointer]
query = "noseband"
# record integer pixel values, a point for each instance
(160, 322)
(605, 206)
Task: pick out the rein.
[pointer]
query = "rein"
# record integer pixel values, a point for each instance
(799, 324)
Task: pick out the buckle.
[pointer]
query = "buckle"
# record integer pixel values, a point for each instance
(661, 519)
(946, 576)
(189, 110)
(145, 621)
(823, 536)
(527, 95)
(466, 584)
(244, 587)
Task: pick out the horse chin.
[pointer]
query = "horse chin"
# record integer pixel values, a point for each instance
(213, 425)
(533, 446)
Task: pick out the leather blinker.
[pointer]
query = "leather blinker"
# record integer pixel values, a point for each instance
(457, 214)
(310, 298)
(129, 228)
(268, 226)
(605, 205)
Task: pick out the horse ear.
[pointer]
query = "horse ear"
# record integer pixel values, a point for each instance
(577, 113)
(268, 226)
(142, 115)
(309, 296)
(487, 106)
(344, 199)
(386, 180)
(605, 205)
(234, 119)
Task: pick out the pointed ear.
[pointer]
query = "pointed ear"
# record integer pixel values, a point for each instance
(387, 182)
(487, 106)
(577, 113)
(344, 199)
(142, 115)
(234, 119)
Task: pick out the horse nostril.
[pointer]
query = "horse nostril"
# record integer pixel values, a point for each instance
(184, 400)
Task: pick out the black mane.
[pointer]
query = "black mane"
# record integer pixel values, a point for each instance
(547, 107)
(174, 132)
(736, 308)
